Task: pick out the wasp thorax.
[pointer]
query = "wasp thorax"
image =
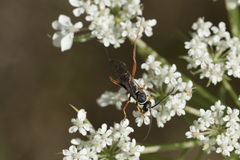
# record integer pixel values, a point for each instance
(141, 97)
(146, 106)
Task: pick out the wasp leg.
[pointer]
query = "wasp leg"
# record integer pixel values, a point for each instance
(114, 81)
(140, 110)
(134, 61)
(134, 52)
(142, 88)
(125, 107)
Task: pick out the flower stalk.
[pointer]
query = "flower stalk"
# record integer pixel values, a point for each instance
(192, 111)
(230, 90)
(170, 146)
(234, 18)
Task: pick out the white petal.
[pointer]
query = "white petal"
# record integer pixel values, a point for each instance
(76, 141)
(78, 11)
(73, 129)
(86, 127)
(66, 42)
(147, 120)
(152, 22)
(78, 25)
(56, 25)
(64, 20)
(124, 122)
(73, 149)
(82, 115)
(75, 3)
(57, 37)
(83, 131)
(66, 152)
(104, 127)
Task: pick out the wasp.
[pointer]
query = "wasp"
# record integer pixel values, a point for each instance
(123, 78)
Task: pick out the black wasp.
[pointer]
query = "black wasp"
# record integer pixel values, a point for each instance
(125, 79)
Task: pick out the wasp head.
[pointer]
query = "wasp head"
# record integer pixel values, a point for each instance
(146, 106)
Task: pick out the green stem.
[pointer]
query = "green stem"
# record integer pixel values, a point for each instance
(234, 18)
(222, 94)
(192, 111)
(144, 50)
(83, 37)
(183, 155)
(154, 157)
(231, 92)
(170, 146)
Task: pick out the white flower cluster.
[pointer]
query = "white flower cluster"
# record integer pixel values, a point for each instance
(218, 129)
(213, 52)
(110, 21)
(104, 143)
(158, 80)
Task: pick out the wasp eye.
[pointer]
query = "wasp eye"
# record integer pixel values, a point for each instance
(141, 97)
(146, 106)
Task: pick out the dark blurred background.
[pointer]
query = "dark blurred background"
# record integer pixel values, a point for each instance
(37, 81)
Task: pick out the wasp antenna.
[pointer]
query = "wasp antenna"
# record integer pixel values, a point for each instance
(164, 98)
(150, 126)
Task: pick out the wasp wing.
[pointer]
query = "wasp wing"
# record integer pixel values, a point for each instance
(120, 71)
(123, 76)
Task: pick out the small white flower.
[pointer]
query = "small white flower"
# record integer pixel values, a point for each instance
(122, 130)
(206, 119)
(141, 118)
(131, 151)
(79, 124)
(74, 154)
(202, 28)
(65, 32)
(105, 135)
(151, 65)
(172, 75)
